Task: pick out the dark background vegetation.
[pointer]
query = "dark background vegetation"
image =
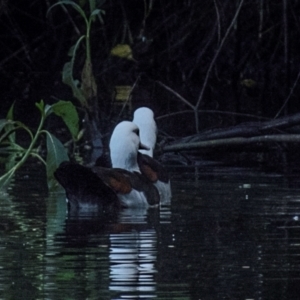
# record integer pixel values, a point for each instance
(174, 43)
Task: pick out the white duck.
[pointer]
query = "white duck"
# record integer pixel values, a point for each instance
(143, 117)
(152, 169)
(123, 185)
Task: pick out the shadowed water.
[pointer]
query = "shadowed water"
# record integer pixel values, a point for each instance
(228, 234)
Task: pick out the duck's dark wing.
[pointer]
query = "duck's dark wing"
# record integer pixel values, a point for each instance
(123, 181)
(152, 169)
(114, 178)
(142, 184)
(82, 186)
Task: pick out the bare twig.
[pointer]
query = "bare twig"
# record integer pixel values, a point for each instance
(20, 50)
(289, 96)
(219, 21)
(177, 95)
(212, 111)
(71, 20)
(217, 53)
(261, 18)
(195, 107)
(286, 55)
(129, 97)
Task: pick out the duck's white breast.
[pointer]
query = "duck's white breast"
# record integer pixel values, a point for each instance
(134, 199)
(164, 190)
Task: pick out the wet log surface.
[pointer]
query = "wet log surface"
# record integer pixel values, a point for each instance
(251, 133)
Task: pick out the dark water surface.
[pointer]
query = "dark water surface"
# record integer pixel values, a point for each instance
(228, 234)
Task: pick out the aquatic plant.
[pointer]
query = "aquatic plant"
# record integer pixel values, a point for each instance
(85, 91)
(56, 152)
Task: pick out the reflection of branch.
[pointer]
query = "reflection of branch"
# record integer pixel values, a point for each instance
(290, 138)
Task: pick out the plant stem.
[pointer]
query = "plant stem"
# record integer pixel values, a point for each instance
(87, 41)
(28, 151)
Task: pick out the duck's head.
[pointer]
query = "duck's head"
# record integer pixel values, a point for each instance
(144, 118)
(124, 145)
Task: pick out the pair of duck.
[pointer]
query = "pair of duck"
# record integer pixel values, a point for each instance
(135, 179)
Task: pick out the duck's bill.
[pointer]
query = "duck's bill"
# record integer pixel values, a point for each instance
(143, 147)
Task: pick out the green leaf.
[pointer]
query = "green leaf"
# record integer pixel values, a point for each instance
(122, 50)
(3, 123)
(11, 160)
(67, 75)
(101, 20)
(40, 105)
(95, 12)
(67, 111)
(9, 132)
(48, 110)
(6, 178)
(73, 83)
(10, 114)
(56, 154)
(73, 4)
(12, 147)
(8, 127)
(92, 5)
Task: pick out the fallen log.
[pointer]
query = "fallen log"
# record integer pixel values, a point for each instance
(244, 130)
(286, 138)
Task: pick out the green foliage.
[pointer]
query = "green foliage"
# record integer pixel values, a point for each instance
(83, 91)
(87, 89)
(9, 116)
(122, 51)
(67, 75)
(5, 179)
(56, 152)
(67, 111)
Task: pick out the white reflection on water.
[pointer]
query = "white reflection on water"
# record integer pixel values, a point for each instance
(132, 256)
